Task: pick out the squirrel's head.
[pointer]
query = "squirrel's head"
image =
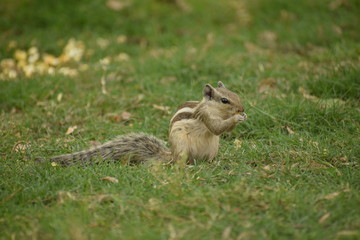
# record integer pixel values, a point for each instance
(222, 102)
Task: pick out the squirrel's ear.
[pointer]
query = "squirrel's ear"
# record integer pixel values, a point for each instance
(209, 92)
(221, 85)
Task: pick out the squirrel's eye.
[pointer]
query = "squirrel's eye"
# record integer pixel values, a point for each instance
(225, 100)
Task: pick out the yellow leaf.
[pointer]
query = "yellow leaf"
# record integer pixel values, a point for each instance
(122, 57)
(331, 195)
(226, 233)
(20, 55)
(71, 130)
(20, 147)
(110, 179)
(121, 39)
(324, 218)
(162, 108)
(237, 143)
(347, 233)
(54, 164)
(289, 130)
(59, 97)
(116, 5)
(126, 115)
(306, 95)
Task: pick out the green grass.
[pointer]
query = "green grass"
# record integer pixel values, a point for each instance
(293, 175)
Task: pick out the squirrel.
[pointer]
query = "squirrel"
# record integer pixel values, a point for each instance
(193, 134)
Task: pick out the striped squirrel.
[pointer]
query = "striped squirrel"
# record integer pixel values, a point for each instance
(193, 134)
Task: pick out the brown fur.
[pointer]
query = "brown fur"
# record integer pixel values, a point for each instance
(194, 133)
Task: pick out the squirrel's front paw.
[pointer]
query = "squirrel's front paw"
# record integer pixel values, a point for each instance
(240, 117)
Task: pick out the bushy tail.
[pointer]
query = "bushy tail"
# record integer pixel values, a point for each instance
(133, 148)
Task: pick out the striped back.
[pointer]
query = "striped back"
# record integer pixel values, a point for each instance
(184, 111)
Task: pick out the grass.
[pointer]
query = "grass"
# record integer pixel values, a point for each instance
(290, 172)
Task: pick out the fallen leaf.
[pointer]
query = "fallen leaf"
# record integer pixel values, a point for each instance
(122, 57)
(102, 42)
(117, 5)
(347, 233)
(20, 55)
(71, 130)
(20, 147)
(331, 102)
(226, 233)
(74, 50)
(126, 115)
(116, 118)
(331, 195)
(289, 130)
(69, 72)
(268, 38)
(121, 39)
(50, 60)
(59, 97)
(237, 143)
(267, 168)
(251, 47)
(162, 108)
(54, 164)
(306, 95)
(65, 196)
(103, 85)
(110, 179)
(105, 61)
(324, 218)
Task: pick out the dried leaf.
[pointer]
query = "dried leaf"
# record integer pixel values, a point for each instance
(20, 147)
(324, 218)
(162, 108)
(251, 47)
(126, 115)
(331, 195)
(64, 196)
(20, 55)
(102, 42)
(69, 72)
(59, 97)
(122, 57)
(74, 50)
(71, 130)
(306, 95)
(331, 102)
(289, 130)
(116, 118)
(103, 85)
(226, 233)
(110, 179)
(237, 143)
(347, 233)
(121, 39)
(116, 5)
(267, 168)
(268, 38)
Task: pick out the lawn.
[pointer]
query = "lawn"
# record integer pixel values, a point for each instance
(74, 74)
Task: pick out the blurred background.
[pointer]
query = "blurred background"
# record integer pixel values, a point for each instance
(134, 26)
